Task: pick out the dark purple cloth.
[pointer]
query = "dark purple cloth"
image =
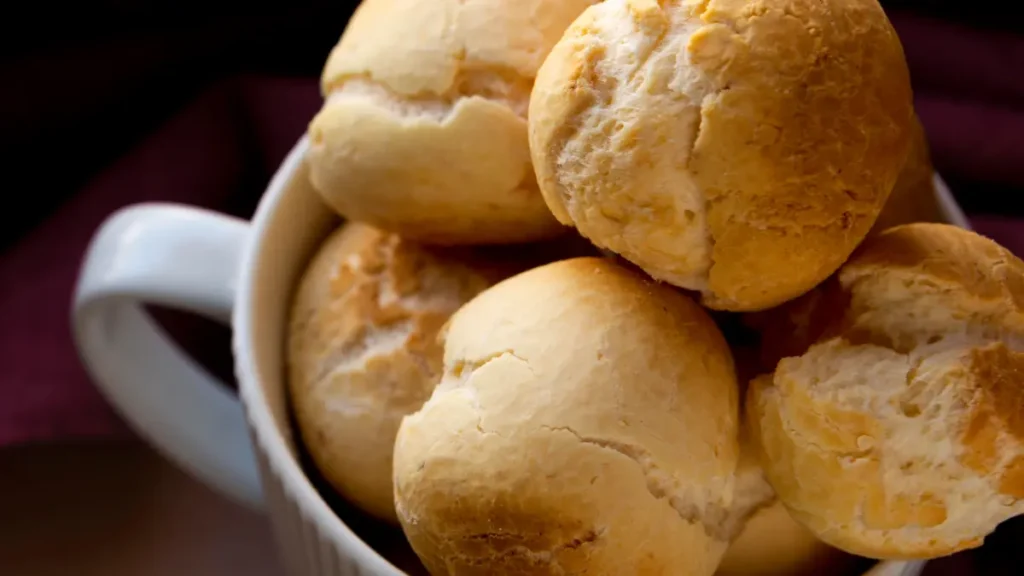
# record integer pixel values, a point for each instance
(220, 150)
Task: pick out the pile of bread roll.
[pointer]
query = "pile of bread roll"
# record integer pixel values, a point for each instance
(513, 347)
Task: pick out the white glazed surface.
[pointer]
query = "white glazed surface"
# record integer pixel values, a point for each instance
(191, 261)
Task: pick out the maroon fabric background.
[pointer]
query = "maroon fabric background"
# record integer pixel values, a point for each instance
(206, 156)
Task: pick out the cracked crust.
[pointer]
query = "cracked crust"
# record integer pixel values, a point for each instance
(363, 350)
(898, 432)
(586, 422)
(423, 131)
(741, 148)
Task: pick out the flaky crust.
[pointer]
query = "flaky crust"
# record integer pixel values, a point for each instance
(741, 148)
(585, 423)
(423, 131)
(363, 351)
(900, 432)
(913, 197)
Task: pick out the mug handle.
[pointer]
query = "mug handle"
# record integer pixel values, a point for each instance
(183, 258)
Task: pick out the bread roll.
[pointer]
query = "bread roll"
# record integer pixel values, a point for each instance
(585, 423)
(913, 198)
(900, 432)
(363, 351)
(739, 148)
(423, 131)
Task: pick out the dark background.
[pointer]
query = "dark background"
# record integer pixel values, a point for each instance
(84, 82)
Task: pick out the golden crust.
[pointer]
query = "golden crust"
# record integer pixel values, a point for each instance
(423, 131)
(551, 446)
(913, 198)
(363, 350)
(899, 431)
(748, 171)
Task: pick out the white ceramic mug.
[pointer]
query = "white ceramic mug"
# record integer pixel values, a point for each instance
(230, 270)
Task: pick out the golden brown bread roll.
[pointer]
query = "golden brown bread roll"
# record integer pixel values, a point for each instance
(363, 350)
(586, 423)
(900, 432)
(423, 131)
(741, 148)
(913, 197)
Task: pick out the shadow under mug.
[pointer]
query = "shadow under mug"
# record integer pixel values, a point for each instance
(240, 272)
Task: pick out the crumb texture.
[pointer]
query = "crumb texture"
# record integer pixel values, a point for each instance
(899, 433)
